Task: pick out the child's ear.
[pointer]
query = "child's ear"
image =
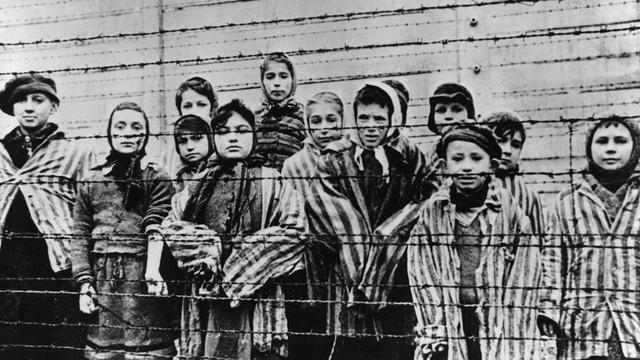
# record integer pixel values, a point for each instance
(440, 164)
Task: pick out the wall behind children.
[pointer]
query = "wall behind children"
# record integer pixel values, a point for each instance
(559, 64)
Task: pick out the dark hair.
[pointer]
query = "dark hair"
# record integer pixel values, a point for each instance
(505, 123)
(448, 92)
(225, 112)
(372, 95)
(276, 57)
(200, 86)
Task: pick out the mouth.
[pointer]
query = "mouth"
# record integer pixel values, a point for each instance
(277, 93)
(234, 148)
(192, 155)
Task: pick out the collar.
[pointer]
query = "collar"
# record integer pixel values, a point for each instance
(379, 154)
(107, 167)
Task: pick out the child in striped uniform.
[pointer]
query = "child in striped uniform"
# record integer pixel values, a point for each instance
(280, 129)
(591, 268)
(371, 176)
(473, 265)
(255, 223)
(510, 133)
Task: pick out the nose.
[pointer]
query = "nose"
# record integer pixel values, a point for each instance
(28, 105)
(506, 150)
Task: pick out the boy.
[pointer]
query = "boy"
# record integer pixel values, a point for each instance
(469, 260)
(590, 266)
(509, 131)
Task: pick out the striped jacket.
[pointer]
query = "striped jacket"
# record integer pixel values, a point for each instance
(273, 249)
(591, 270)
(527, 198)
(326, 217)
(340, 180)
(508, 278)
(48, 181)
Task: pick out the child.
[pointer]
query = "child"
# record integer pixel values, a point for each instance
(280, 120)
(371, 177)
(39, 169)
(324, 116)
(590, 264)
(257, 222)
(470, 260)
(509, 131)
(195, 96)
(194, 145)
(117, 246)
(450, 105)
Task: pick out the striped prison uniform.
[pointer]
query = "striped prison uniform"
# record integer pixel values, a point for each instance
(270, 244)
(507, 278)
(528, 199)
(592, 270)
(345, 210)
(48, 181)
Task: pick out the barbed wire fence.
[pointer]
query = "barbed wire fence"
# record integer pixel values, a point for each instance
(563, 65)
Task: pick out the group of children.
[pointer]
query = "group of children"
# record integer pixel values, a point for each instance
(279, 234)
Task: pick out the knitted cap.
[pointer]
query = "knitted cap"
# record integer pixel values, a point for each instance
(448, 93)
(24, 85)
(479, 135)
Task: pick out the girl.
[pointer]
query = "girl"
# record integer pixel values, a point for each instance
(257, 222)
(195, 96)
(193, 143)
(470, 260)
(324, 118)
(39, 169)
(590, 263)
(280, 120)
(117, 246)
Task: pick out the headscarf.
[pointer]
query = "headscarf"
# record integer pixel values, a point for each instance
(217, 165)
(448, 93)
(289, 105)
(397, 120)
(613, 179)
(126, 168)
(24, 85)
(325, 97)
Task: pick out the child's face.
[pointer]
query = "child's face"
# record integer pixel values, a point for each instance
(193, 147)
(277, 81)
(195, 104)
(128, 130)
(33, 111)
(468, 165)
(611, 146)
(446, 115)
(325, 123)
(372, 121)
(234, 140)
(511, 146)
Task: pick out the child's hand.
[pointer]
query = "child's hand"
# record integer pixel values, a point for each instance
(87, 293)
(155, 283)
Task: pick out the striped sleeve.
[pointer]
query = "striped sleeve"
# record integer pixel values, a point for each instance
(554, 258)
(273, 251)
(426, 280)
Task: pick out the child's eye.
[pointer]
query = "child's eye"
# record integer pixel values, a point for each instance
(441, 109)
(332, 119)
(315, 120)
(244, 130)
(602, 141)
(516, 144)
(269, 76)
(457, 108)
(182, 140)
(202, 104)
(196, 137)
(284, 75)
(186, 106)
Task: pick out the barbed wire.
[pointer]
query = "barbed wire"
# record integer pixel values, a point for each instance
(551, 32)
(296, 20)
